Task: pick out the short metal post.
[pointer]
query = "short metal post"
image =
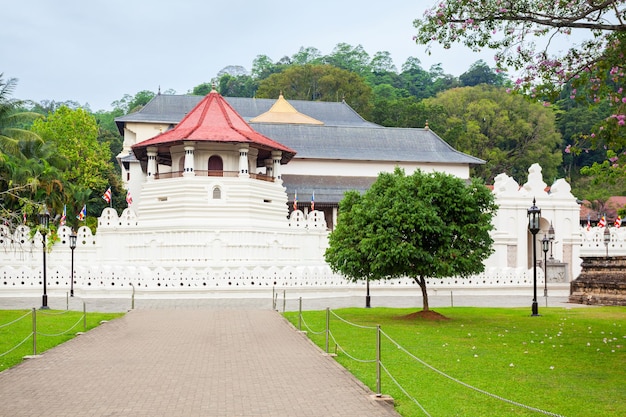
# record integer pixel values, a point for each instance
(84, 317)
(378, 390)
(451, 300)
(284, 300)
(273, 298)
(327, 327)
(300, 314)
(34, 331)
(132, 302)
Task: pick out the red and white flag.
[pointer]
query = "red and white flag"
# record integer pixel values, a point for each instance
(618, 222)
(107, 195)
(588, 224)
(602, 222)
(64, 216)
(129, 198)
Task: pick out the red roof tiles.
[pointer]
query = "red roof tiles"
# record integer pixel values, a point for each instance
(213, 120)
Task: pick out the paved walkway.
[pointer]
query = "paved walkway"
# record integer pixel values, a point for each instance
(202, 357)
(187, 362)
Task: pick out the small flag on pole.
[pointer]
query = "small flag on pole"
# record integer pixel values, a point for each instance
(588, 223)
(64, 216)
(129, 198)
(602, 222)
(24, 218)
(313, 201)
(83, 213)
(107, 195)
(295, 201)
(618, 222)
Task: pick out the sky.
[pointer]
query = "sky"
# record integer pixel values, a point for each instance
(94, 52)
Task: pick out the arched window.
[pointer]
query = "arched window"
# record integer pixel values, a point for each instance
(217, 193)
(216, 166)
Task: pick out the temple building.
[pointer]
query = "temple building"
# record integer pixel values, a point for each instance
(335, 148)
(232, 193)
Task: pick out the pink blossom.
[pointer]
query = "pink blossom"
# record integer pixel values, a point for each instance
(568, 149)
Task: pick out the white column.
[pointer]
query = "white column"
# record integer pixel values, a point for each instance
(334, 217)
(276, 157)
(189, 170)
(269, 167)
(152, 162)
(243, 161)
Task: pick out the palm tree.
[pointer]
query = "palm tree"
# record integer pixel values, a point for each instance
(12, 120)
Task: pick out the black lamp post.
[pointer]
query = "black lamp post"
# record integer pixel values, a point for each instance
(44, 219)
(551, 237)
(367, 294)
(607, 239)
(545, 242)
(72, 247)
(534, 216)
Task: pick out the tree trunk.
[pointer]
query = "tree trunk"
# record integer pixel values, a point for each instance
(421, 281)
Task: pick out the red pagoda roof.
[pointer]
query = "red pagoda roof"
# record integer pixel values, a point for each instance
(212, 120)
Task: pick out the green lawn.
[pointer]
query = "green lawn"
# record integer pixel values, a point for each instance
(570, 362)
(50, 324)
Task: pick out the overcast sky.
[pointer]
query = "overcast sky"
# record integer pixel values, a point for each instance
(96, 51)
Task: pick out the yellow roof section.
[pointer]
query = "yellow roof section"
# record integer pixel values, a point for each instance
(283, 112)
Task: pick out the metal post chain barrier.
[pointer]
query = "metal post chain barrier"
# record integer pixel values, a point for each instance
(34, 331)
(432, 368)
(378, 362)
(300, 314)
(327, 327)
(14, 321)
(380, 365)
(404, 391)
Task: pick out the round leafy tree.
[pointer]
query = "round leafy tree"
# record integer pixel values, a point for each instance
(425, 225)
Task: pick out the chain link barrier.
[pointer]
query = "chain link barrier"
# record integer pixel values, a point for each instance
(400, 347)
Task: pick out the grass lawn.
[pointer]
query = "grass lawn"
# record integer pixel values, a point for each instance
(50, 324)
(570, 362)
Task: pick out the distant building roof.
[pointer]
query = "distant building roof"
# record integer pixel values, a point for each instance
(345, 135)
(171, 109)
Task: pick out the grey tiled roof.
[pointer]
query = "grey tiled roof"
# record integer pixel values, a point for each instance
(172, 108)
(328, 190)
(345, 135)
(365, 143)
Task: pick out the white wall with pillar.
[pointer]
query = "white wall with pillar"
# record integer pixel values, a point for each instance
(189, 170)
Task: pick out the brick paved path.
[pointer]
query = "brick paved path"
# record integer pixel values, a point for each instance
(178, 362)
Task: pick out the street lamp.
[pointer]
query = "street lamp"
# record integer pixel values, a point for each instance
(72, 247)
(545, 242)
(534, 216)
(44, 219)
(551, 237)
(607, 239)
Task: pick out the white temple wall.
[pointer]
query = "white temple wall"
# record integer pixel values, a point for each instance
(347, 168)
(194, 250)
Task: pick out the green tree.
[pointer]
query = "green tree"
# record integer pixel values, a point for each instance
(350, 58)
(75, 136)
(480, 73)
(319, 83)
(307, 55)
(507, 131)
(419, 226)
(13, 122)
(525, 36)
